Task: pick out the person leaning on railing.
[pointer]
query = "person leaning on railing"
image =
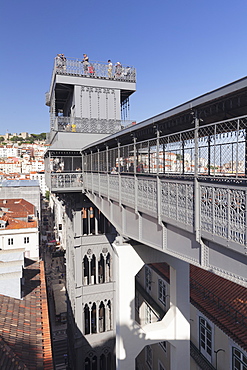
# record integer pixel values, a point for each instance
(85, 63)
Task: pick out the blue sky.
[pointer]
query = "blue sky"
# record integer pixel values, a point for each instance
(181, 49)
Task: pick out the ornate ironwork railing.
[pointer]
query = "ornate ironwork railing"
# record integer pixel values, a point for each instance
(222, 209)
(66, 180)
(94, 125)
(217, 150)
(72, 66)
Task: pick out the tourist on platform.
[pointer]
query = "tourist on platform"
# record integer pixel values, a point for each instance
(109, 69)
(85, 63)
(61, 61)
(91, 70)
(118, 70)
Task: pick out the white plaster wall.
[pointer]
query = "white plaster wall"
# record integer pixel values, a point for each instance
(10, 284)
(31, 248)
(220, 340)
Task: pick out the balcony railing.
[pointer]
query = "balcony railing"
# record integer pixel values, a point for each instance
(93, 125)
(76, 67)
(217, 150)
(66, 180)
(222, 207)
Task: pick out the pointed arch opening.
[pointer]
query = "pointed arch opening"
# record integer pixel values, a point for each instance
(87, 364)
(101, 317)
(102, 362)
(94, 363)
(101, 269)
(109, 316)
(108, 267)
(85, 270)
(93, 270)
(93, 319)
(86, 319)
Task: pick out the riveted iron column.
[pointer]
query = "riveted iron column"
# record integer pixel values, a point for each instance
(91, 169)
(182, 141)
(135, 177)
(149, 157)
(196, 184)
(215, 132)
(119, 175)
(245, 156)
(98, 171)
(209, 155)
(237, 152)
(82, 162)
(50, 171)
(84, 168)
(157, 177)
(107, 171)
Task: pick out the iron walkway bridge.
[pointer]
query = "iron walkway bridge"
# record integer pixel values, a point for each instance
(177, 182)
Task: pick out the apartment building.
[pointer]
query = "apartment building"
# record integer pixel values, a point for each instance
(19, 235)
(7, 151)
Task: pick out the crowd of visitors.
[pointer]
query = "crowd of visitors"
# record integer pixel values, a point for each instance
(113, 72)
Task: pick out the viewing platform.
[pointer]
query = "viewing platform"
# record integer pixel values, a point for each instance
(94, 70)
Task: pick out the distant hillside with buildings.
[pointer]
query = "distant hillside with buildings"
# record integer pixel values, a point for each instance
(22, 157)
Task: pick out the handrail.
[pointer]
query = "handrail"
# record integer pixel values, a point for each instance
(215, 150)
(94, 69)
(89, 125)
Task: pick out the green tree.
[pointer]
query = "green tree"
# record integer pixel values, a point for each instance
(15, 139)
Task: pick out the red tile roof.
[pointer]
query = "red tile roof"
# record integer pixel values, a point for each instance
(222, 301)
(8, 359)
(14, 210)
(24, 324)
(17, 205)
(13, 223)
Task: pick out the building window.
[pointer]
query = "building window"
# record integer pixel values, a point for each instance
(149, 356)
(148, 314)
(10, 241)
(205, 332)
(60, 227)
(26, 240)
(162, 292)
(147, 278)
(239, 360)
